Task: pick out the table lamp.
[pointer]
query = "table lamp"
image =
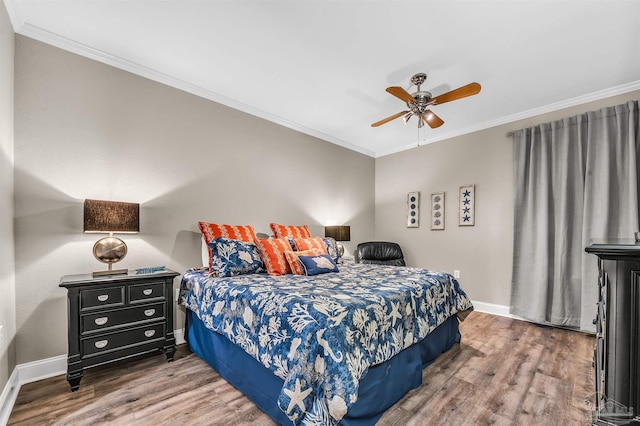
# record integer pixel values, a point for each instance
(338, 233)
(110, 217)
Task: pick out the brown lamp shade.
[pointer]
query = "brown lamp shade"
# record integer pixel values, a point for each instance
(338, 233)
(111, 216)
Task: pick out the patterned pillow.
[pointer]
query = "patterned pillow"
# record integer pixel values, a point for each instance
(232, 257)
(315, 265)
(332, 248)
(294, 262)
(310, 243)
(211, 231)
(293, 231)
(272, 251)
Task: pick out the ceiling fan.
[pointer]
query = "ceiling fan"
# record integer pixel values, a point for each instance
(420, 100)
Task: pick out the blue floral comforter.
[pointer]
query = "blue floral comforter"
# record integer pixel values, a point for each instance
(320, 334)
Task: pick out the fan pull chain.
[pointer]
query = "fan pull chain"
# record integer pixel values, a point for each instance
(423, 134)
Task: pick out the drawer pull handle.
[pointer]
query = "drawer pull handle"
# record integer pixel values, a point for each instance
(101, 320)
(103, 297)
(101, 343)
(149, 333)
(149, 312)
(147, 291)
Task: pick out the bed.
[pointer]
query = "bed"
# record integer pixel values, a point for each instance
(335, 348)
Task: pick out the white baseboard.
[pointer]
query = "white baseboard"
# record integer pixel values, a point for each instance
(493, 309)
(8, 397)
(41, 369)
(28, 373)
(38, 370)
(179, 336)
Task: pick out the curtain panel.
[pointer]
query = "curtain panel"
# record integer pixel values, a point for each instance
(576, 180)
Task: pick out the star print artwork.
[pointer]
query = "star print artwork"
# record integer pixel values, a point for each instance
(466, 205)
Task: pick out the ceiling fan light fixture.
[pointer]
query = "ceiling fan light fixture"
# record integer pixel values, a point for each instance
(419, 101)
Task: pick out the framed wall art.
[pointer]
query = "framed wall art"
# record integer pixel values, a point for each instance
(413, 209)
(466, 205)
(437, 211)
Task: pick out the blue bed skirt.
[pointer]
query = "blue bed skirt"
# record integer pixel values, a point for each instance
(383, 385)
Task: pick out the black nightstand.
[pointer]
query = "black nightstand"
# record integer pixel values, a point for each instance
(115, 317)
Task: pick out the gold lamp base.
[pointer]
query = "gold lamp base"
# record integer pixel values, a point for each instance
(110, 271)
(110, 250)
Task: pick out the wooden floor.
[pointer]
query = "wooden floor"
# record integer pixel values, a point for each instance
(505, 372)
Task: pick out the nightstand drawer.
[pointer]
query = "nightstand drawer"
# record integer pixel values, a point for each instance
(146, 291)
(108, 319)
(95, 298)
(112, 341)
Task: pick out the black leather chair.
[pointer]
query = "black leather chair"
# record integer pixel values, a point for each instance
(379, 252)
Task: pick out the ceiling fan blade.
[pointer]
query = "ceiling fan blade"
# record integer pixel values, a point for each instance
(432, 120)
(400, 93)
(386, 120)
(459, 93)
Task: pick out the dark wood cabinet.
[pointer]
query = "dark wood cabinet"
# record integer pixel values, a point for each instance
(115, 317)
(616, 356)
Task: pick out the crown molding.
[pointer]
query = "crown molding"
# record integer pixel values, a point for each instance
(15, 14)
(66, 44)
(591, 97)
(36, 33)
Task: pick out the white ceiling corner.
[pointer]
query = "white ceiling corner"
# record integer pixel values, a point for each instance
(321, 67)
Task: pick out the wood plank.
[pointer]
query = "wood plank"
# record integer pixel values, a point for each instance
(504, 372)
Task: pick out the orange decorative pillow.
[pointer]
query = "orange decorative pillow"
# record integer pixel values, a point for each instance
(293, 231)
(212, 231)
(310, 243)
(272, 252)
(294, 263)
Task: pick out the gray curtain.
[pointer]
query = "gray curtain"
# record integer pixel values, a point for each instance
(576, 180)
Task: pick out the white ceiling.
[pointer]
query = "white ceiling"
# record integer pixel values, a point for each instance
(321, 67)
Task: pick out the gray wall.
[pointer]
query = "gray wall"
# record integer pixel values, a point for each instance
(87, 130)
(7, 270)
(483, 253)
